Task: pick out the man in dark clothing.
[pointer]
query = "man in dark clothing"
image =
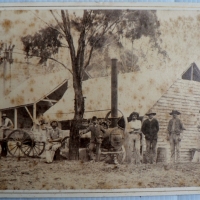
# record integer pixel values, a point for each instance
(175, 128)
(150, 128)
(97, 132)
(7, 125)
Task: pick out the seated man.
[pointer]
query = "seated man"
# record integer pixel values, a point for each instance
(54, 138)
(96, 138)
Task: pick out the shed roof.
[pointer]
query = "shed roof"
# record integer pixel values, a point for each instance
(183, 96)
(34, 89)
(136, 91)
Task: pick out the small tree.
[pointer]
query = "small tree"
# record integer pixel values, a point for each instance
(92, 30)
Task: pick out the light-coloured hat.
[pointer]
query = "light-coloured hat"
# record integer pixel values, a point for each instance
(150, 112)
(4, 115)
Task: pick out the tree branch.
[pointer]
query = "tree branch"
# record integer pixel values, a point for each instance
(61, 64)
(57, 21)
(49, 25)
(89, 57)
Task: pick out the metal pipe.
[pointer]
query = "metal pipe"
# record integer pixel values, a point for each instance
(114, 93)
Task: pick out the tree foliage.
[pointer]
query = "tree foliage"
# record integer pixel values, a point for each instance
(42, 44)
(94, 28)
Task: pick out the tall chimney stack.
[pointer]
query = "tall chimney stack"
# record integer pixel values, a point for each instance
(114, 93)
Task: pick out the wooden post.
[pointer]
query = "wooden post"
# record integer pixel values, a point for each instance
(0, 118)
(34, 115)
(15, 118)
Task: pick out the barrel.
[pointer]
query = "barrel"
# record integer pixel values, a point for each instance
(161, 154)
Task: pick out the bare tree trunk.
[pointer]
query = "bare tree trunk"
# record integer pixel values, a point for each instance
(78, 116)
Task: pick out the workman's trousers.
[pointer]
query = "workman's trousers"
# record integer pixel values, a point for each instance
(4, 144)
(174, 140)
(151, 153)
(134, 146)
(92, 146)
(91, 149)
(50, 150)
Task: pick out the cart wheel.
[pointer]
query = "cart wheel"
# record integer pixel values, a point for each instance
(121, 156)
(64, 143)
(17, 142)
(33, 148)
(104, 157)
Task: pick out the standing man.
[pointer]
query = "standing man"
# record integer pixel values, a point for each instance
(7, 124)
(54, 138)
(175, 128)
(97, 132)
(134, 131)
(150, 128)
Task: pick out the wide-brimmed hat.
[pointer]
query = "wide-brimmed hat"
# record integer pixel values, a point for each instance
(94, 118)
(4, 115)
(175, 112)
(133, 113)
(150, 112)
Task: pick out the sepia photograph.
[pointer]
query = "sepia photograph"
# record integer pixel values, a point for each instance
(99, 99)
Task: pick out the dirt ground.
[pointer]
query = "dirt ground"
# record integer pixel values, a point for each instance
(35, 174)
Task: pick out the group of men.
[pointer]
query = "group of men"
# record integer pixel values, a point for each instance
(135, 128)
(149, 127)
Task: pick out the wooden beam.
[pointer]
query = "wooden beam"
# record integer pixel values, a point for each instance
(34, 115)
(0, 118)
(49, 100)
(29, 113)
(15, 118)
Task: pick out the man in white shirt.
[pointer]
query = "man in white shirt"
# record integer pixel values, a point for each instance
(54, 138)
(133, 129)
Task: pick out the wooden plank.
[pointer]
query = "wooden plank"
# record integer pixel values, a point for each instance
(29, 113)
(34, 115)
(15, 118)
(0, 118)
(49, 100)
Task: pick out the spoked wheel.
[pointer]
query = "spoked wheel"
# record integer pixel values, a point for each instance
(64, 143)
(33, 148)
(104, 156)
(17, 142)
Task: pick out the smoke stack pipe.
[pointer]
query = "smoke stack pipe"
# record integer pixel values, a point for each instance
(114, 93)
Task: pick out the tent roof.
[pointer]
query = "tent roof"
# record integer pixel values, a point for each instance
(34, 89)
(137, 91)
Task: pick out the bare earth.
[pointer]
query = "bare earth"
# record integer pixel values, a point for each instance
(35, 174)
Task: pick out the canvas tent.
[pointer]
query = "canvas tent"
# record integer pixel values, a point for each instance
(34, 95)
(98, 95)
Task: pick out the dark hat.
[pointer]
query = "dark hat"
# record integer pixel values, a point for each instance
(94, 118)
(175, 112)
(150, 112)
(133, 113)
(54, 123)
(4, 115)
